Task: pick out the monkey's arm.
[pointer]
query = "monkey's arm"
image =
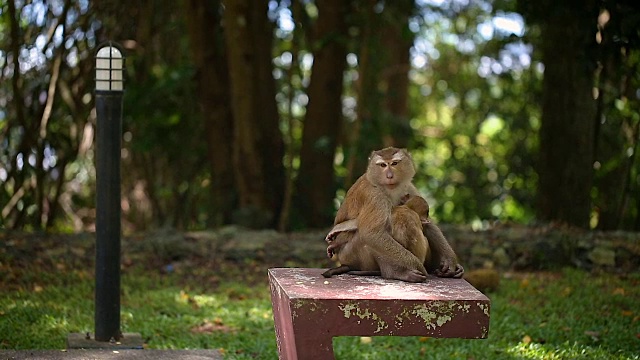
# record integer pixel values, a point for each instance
(348, 225)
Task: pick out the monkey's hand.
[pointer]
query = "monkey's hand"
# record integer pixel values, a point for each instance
(348, 225)
(449, 269)
(331, 236)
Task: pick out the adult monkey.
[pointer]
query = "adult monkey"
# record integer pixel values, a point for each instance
(370, 202)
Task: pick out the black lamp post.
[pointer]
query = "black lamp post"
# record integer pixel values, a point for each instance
(109, 90)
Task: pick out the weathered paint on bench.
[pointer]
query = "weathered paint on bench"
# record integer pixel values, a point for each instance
(309, 310)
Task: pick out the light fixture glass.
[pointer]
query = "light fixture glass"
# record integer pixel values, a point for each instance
(109, 69)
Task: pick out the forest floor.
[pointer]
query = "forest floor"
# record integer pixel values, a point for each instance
(209, 290)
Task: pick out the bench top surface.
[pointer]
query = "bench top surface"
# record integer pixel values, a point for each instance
(309, 283)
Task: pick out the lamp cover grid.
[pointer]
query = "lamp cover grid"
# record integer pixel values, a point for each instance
(109, 68)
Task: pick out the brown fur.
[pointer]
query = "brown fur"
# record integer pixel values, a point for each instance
(390, 237)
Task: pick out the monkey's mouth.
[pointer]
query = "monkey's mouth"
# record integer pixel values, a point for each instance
(391, 184)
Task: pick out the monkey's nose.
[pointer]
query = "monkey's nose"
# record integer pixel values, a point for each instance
(389, 175)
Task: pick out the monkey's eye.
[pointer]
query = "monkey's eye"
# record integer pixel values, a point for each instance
(383, 165)
(394, 163)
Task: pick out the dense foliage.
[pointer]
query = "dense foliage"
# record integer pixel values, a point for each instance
(196, 156)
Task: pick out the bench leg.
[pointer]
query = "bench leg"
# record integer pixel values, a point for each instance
(305, 345)
(296, 342)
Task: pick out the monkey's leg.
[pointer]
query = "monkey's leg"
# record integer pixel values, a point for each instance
(391, 269)
(443, 261)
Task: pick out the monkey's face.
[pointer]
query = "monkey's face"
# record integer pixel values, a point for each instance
(391, 168)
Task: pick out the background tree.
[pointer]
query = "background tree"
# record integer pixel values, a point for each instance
(315, 184)
(259, 174)
(208, 51)
(583, 109)
(46, 71)
(565, 166)
(382, 87)
(215, 91)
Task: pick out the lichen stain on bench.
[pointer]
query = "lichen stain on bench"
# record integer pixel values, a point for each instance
(353, 309)
(309, 310)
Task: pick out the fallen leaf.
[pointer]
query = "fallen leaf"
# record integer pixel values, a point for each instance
(423, 338)
(526, 340)
(209, 327)
(365, 340)
(627, 313)
(618, 291)
(595, 335)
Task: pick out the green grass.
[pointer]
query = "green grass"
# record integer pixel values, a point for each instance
(570, 314)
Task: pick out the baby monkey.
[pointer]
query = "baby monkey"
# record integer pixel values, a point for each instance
(409, 217)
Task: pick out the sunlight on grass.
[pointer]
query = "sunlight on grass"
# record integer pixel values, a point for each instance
(567, 315)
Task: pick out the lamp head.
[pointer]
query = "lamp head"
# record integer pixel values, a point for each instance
(110, 68)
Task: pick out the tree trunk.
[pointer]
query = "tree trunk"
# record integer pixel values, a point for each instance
(568, 112)
(366, 135)
(258, 147)
(382, 87)
(315, 183)
(397, 39)
(207, 48)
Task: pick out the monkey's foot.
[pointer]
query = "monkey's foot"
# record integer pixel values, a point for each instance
(330, 250)
(446, 270)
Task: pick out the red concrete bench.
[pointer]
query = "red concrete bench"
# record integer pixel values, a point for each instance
(310, 310)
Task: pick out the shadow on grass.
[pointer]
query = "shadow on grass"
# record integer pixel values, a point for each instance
(216, 303)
